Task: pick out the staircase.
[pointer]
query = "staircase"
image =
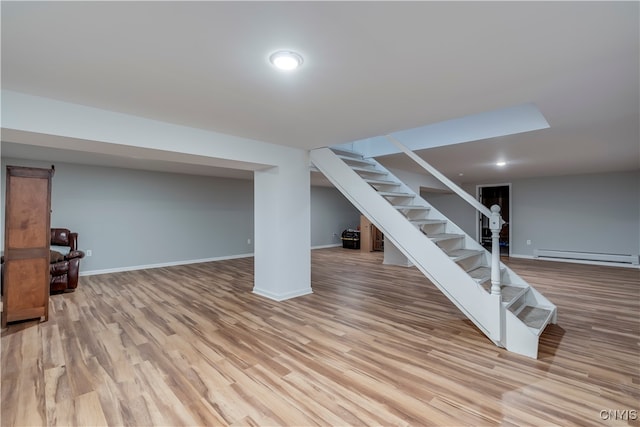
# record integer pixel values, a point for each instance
(454, 262)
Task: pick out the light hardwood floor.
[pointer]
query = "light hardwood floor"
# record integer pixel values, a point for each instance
(373, 345)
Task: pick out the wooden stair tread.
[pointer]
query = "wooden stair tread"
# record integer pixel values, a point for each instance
(368, 170)
(411, 207)
(480, 274)
(534, 317)
(460, 254)
(356, 160)
(444, 236)
(395, 194)
(374, 181)
(427, 221)
(346, 153)
(509, 293)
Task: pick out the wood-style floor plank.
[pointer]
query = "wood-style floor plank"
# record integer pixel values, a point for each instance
(373, 345)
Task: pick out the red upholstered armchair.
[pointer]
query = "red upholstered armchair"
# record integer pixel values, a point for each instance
(64, 268)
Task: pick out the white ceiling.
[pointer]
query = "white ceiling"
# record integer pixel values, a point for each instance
(371, 68)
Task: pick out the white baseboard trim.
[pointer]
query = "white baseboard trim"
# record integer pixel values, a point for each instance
(577, 261)
(184, 262)
(521, 256)
(163, 264)
(333, 245)
(282, 297)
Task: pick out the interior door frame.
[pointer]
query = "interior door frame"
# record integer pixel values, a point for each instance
(478, 219)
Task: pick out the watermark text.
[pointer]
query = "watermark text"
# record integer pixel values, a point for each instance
(619, 414)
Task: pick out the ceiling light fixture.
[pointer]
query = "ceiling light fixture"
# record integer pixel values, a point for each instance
(286, 60)
(501, 164)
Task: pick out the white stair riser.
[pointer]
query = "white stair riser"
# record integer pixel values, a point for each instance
(434, 228)
(358, 162)
(470, 263)
(451, 244)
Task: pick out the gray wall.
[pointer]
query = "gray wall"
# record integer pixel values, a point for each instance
(589, 213)
(454, 208)
(132, 218)
(331, 213)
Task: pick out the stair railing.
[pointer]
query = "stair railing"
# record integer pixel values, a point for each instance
(495, 219)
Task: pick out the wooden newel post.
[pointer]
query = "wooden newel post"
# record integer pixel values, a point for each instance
(495, 224)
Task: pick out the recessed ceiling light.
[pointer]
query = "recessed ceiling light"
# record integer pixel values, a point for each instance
(286, 60)
(501, 163)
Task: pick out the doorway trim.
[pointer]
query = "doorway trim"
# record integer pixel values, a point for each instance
(479, 218)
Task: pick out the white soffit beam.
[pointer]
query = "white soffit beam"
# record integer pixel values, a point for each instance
(491, 124)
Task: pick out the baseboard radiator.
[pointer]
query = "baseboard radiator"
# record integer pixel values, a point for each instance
(586, 256)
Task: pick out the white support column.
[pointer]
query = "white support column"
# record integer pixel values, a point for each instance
(282, 229)
(495, 224)
(393, 256)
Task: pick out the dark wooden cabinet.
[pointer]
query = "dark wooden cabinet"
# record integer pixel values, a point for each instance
(26, 244)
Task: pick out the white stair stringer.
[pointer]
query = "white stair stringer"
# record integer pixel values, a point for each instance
(448, 257)
(416, 246)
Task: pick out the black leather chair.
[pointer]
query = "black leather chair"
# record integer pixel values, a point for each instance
(64, 268)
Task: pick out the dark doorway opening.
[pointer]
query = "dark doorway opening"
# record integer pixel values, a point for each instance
(490, 195)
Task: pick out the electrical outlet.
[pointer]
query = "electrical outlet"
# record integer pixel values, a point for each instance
(528, 242)
(88, 252)
(248, 241)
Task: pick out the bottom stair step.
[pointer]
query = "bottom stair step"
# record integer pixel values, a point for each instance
(534, 317)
